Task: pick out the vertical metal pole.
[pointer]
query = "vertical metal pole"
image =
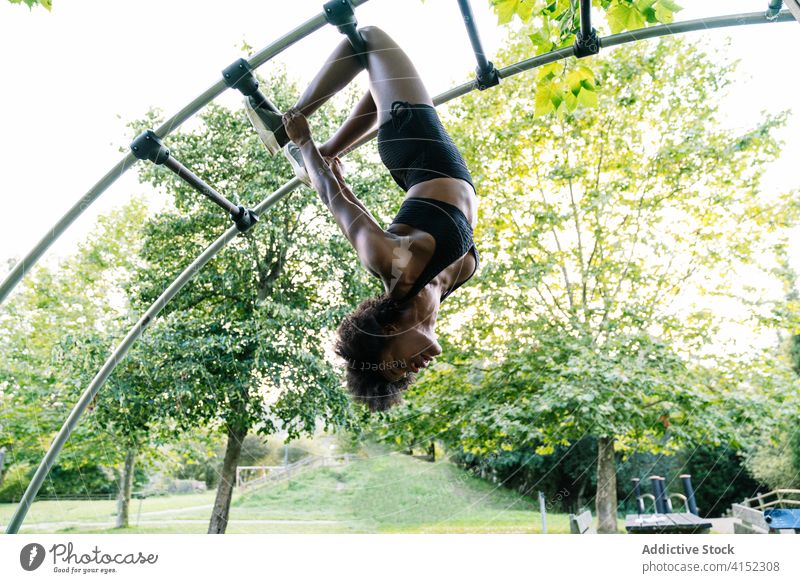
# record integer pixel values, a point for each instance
(655, 484)
(586, 18)
(2, 463)
(637, 492)
(474, 37)
(485, 74)
(587, 42)
(662, 493)
(688, 491)
(774, 8)
(667, 499)
(542, 511)
(139, 512)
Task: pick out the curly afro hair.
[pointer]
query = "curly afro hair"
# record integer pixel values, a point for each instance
(361, 338)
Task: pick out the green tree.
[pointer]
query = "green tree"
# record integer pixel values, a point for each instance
(37, 388)
(123, 412)
(608, 234)
(775, 458)
(243, 347)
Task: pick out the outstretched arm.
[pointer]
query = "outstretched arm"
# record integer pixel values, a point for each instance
(355, 221)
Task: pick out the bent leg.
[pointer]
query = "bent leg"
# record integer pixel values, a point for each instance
(360, 121)
(392, 75)
(339, 69)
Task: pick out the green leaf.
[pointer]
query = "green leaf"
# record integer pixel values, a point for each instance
(549, 98)
(670, 5)
(665, 11)
(548, 71)
(582, 77)
(504, 9)
(587, 98)
(624, 16)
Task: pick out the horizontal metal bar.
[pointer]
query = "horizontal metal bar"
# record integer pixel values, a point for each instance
(199, 185)
(586, 18)
(650, 32)
(24, 265)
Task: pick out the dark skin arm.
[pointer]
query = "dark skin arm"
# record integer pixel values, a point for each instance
(366, 236)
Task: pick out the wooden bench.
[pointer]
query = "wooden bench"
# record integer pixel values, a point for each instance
(582, 523)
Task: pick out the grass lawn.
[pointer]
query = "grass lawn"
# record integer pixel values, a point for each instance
(386, 492)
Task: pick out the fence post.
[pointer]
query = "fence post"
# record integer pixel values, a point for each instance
(542, 512)
(2, 461)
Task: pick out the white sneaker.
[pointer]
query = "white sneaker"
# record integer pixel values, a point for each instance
(295, 157)
(268, 125)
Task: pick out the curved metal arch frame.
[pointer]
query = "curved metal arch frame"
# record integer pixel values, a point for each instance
(209, 253)
(24, 265)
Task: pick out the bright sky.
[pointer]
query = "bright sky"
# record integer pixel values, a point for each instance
(76, 75)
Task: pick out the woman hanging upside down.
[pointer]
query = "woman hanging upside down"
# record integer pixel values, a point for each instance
(427, 252)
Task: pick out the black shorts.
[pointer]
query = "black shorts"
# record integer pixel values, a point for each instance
(415, 147)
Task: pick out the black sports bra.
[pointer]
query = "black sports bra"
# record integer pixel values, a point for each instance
(449, 228)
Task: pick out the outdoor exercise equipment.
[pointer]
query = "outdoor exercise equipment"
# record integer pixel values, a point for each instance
(486, 74)
(775, 8)
(340, 13)
(148, 146)
(664, 519)
(586, 41)
(662, 500)
(24, 266)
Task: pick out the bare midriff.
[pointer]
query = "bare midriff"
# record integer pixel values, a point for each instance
(454, 191)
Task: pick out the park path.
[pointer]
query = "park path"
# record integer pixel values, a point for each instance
(176, 510)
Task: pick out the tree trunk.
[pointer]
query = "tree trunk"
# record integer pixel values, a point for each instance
(432, 451)
(222, 503)
(2, 463)
(125, 487)
(606, 499)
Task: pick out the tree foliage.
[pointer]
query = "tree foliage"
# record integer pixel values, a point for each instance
(38, 387)
(612, 236)
(46, 4)
(553, 24)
